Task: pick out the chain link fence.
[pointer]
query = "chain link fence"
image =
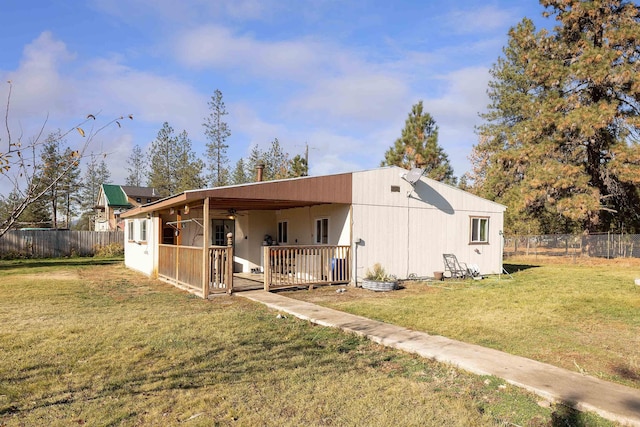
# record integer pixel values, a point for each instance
(603, 245)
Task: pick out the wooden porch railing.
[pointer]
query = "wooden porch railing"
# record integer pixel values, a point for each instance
(287, 266)
(220, 269)
(182, 266)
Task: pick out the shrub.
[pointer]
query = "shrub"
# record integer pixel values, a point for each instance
(378, 273)
(109, 251)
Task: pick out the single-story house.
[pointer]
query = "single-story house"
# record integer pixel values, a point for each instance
(113, 200)
(308, 230)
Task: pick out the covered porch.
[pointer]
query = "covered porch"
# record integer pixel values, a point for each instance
(267, 235)
(290, 266)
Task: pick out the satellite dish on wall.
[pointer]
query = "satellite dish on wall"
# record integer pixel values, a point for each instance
(413, 176)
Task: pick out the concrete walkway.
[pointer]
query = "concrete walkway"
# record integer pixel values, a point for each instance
(611, 401)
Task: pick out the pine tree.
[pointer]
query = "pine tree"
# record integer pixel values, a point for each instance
(298, 167)
(418, 147)
(187, 168)
(276, 162)
(136, 166)
(217, 131)
(256, 156)
(559, 145)
(95, 174)
(69, 193)
(174, 167)
(35, 215)
(160, 174)
(240, 174)
(53, 164)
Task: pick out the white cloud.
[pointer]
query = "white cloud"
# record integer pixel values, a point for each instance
(456, 112)
(486, 19)
(217, 47)
(170, 11)
(360, 96)
(148, 96)
(38, 84)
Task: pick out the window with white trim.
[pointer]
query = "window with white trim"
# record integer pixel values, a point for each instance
(322, 231)
(479, 230)
(143, 230)
(283, 232)
(130, 235)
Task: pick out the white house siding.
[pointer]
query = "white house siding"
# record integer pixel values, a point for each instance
(407, 231)
(140, 255)
(302, 222)
(252, 226)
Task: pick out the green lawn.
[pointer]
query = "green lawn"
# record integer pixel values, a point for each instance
(86, 344)
(584, 317)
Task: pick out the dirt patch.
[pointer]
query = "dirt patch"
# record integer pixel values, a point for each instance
(330, 294)
(54, 275)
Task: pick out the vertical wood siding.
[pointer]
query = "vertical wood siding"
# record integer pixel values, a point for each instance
(55, 243)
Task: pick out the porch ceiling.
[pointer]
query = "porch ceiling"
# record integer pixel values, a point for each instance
(270, 195)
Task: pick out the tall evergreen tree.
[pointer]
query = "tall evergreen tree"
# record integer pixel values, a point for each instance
(160, 175)
(136, 166)
(59, 172)
(276, 162)
(217, 131)
(35, 215)
(560, 139)
(95, 174)
(418, 147)
(174, 167)
(240, 174)
(187, 168)
(256, 156)
(298, 167)
(70, 185)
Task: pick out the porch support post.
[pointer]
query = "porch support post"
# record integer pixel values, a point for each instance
(229, 268)
(206, 238)
(178, 243)
(266, 267)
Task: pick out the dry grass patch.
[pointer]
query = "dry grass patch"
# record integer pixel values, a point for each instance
(114, 348)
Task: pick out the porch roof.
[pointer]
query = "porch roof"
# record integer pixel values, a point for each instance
(266, 195)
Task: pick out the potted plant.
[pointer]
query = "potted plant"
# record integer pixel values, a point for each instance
(377, 279)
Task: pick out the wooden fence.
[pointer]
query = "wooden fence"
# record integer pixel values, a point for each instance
(55, 243)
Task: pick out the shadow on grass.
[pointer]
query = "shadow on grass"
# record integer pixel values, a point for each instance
(566, 416)
(514, 268)
(57, 262)
(626, 372)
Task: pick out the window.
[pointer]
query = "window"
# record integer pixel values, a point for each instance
(138, 199)
(283, 232)
(479, 230)
(219, 230)
(130, 231)
(143, 230)
(322, 231)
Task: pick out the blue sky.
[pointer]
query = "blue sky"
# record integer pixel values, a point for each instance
(340, 76)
